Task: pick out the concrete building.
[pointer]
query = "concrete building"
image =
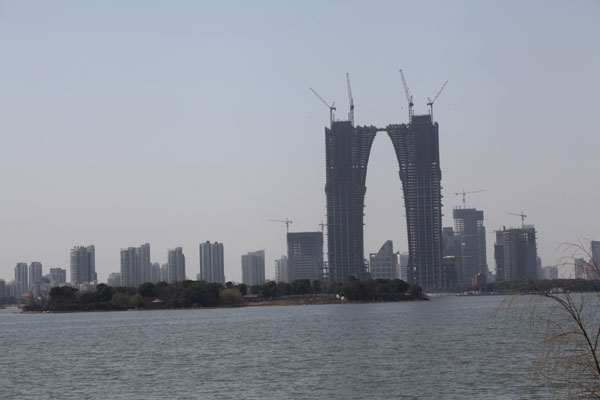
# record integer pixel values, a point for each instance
(2, 289)
(515, 252)
(83, 264)
(595, 261)
(144, 265)
(305, 255)
(155, 273)
(448, 272)
(58, 276)
(550, 272)
(114, 279)
(579, 266)
(129, 267)
(404, 266)
(282, 273)
(12, 290)
(164, 273)
(468, 226)
(212, 263)
(452, 247)
(253, 268)
(384, 263)
(21, 279)
(35, 274)
(176, 265)
(347, 154)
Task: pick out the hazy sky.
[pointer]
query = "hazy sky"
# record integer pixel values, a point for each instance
(174, 122)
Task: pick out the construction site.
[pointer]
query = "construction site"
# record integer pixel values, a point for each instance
(416, 146)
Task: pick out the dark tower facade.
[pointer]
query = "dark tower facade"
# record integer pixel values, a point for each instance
(347, 151)
(417, 151)
(347, 155)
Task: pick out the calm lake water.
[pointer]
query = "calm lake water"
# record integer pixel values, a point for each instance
(448, 348)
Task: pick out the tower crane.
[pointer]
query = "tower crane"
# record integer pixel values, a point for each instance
(331, 107)
(286, 221)
(351, 114)
(430, 103)
(409, 97)
(523, 216)
(322, 225)
(464, 195)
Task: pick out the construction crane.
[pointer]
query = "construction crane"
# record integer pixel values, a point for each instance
(523, 216)
(464, 195)
(430, 104)
(286, 221)
(409, 97)
(322, 225)
(351, 114)
(331, 107)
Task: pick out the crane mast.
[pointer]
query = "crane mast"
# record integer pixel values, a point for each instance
(351, 114)
(409, 97)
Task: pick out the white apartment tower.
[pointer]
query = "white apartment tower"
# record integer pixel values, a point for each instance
(253, 268)
(176, 265)
(212, 265)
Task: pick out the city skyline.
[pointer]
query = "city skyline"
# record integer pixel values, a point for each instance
(513, 92)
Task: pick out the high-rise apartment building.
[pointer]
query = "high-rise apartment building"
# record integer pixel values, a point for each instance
(550, 272)
(114, 279)
(347, 154)
(83, 264)
(21, 279)
(404, 266)
(468, 226)
(282, 270)
(35, 274)
(164, 273)
(136, 267)
(129, 267)
(515, 252)
(305, 255)
(176, 265)
(58, 276)
(155, 273)
(3, 289)
(212, 263)
(144, 265)
(253, 268)
(384, 263)
(595, 261)
(579, 266)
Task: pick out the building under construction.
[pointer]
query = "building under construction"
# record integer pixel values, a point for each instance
(347, 149)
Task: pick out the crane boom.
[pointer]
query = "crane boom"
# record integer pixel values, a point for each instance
(464, 194)
(330, 106)
(286, 221)
(430, 104)
(523, 216)
(351, 114)
(409, 97)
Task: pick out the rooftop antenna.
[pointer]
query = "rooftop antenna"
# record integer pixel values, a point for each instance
(409, 97)
(331, 107)
(464, 195)
(430, 104)
(351, 114)
(523, 216)
(286, 221)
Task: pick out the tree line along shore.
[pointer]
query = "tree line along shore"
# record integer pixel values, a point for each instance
(201, 294)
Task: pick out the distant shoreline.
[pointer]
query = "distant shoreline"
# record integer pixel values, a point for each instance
(307, 301)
